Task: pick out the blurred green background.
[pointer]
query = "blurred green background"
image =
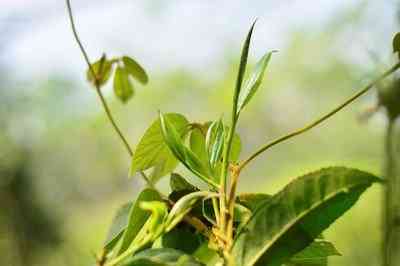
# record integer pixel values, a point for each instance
(63, 171)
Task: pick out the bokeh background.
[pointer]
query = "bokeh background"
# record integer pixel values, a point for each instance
(63, 171)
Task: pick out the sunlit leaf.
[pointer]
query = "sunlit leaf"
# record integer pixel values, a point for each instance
(135, 70)
(182, 153)
(123, 87)
(162, 257)
(253, 83)
(152, 151)
(102, 69)
(294, 217)
(137, 217)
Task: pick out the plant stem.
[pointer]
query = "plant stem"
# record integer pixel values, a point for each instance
(96, 83)
(322, 119)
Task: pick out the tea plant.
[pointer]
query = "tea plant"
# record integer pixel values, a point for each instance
(217, 225)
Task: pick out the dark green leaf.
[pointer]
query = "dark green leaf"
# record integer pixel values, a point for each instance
(137, 217)
(135, 70)
(177, 183)
(123, 87)
(252, 200)
(162, 257)
(152, 151)
(181, 239)
(102, 68)
(118, 226)
(254, 82)
(182, 153)
(242, 66)
(396, 43)
(293, 218)
(316, 254)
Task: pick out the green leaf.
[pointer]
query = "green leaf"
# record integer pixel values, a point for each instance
(162, 257)
(316, 254)
(242, 66)
(207, 255)
(135, 70)
(236, 148)
(182, 153)
(254, 82)
(215, 142)
(118, 226)
(123, 87)
(197, 144)
(184, 205)
(102, 69)
(181, 239)
(294, 217)
(396, 43)
(152, 151)
(177, 183)
(137, 217)
(252, 200)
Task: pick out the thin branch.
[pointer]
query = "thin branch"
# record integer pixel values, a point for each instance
(96, 81)
(320, 120)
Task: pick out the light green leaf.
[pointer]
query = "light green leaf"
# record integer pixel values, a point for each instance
(152, 151)
(253, 83)
(102, 69)
(162, 257)
(207, 255)
(316, 254)
(135, 70)
(137, 217)
(123, 87)
(118, 226)
(182, 153)
(215, 142)
(197, 144)
(294, 217)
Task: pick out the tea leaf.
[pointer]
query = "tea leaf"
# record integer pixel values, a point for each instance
(162, 257)
(137, 217)
(197, 144)
(152, 151)
(253, 83)
(294, 217)
(102, 68)
(123, 87)
(396, 43)
(135, 70)
(182, 153)
(177, 183)
(316, 254)
(117, 227)
(252, 200)
(215, 142)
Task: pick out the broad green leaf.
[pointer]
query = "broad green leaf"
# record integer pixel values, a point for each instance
(252, 200)
(316, 254)
(242, 66)
(135, 70)
(162, 257)
(182, 153)
(118, 226)
(177, 183)
(197, 144)
(123, 87)
(207, 255)
(253, 83)
(137, 217)
(152, 151)
(184, 206)
(102, 69)
(294, 217)
(181, 239)
(396, 43)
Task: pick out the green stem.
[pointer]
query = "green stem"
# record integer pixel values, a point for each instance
(322, 119)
